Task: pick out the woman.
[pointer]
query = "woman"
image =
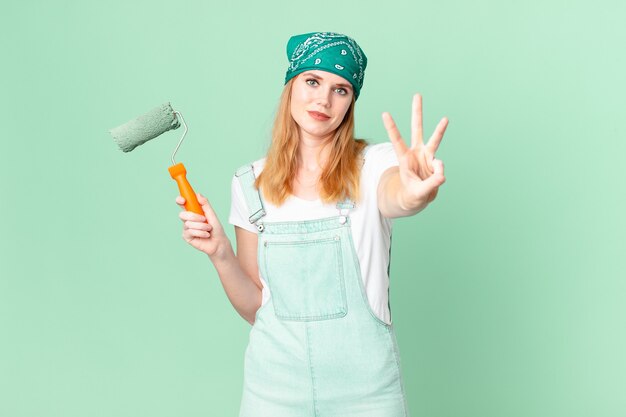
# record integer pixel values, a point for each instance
(313, 229)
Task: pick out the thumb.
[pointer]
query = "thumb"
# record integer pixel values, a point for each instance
(209, 213)
(437, 178)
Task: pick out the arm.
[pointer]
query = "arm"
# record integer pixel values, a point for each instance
(242, 287)
(247, 245)
(236, 273)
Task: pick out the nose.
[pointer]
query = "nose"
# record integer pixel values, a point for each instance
(323, 97)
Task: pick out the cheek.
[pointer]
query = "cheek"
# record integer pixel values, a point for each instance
(298, 91)
(297, 99)
(293, 106)
(344, 111)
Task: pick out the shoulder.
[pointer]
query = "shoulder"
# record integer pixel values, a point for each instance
(378, 150)
(378, 158)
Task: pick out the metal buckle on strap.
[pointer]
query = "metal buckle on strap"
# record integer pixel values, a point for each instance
(344, 208)
(256, 216)
(346, 204)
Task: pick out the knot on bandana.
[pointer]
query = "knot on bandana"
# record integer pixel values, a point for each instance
(327, 51)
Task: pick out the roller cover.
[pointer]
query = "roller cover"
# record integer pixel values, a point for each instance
(145, 127)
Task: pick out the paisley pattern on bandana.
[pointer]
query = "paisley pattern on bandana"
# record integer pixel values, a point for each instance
(327, 51)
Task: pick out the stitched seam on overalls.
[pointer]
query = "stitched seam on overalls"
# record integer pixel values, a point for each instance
(307, 318)
(305, 226)
(344, 296)
(396, 354)
(286, 317)
(300, 242)
(310, 354)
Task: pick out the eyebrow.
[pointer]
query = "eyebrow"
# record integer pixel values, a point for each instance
(317, 77)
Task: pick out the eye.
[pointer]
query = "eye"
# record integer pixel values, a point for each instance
(342, 91)
(311, 81)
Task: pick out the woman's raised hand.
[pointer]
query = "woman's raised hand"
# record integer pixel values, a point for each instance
(420, 173)
(204, 233)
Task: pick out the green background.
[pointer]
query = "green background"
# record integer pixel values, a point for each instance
(508, 292)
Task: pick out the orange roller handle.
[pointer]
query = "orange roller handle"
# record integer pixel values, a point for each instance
(178, 173)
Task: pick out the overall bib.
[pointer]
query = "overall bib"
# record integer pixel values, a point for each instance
(316, 348)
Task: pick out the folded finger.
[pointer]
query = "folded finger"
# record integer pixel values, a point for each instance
(438, 166)
(197, 233)
(191, 216)
(198, 226)
(429, 158)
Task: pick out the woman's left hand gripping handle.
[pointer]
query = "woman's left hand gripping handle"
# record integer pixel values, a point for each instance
(204, 233)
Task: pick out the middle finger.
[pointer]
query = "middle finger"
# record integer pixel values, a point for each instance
(417, 135)
(198, 226)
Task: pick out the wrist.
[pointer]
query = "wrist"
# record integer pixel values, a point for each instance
(410, 202)
(223, 254)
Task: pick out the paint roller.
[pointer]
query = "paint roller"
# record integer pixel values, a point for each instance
(150, 125)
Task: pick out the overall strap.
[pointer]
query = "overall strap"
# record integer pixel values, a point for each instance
(344, 208)
(246, 178)
(346, 204)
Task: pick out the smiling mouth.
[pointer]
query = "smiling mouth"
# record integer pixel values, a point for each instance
(318, 116)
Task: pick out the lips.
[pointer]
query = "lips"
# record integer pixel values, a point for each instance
(318, 116)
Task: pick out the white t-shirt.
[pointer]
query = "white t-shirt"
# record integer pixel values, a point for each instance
(370, 230)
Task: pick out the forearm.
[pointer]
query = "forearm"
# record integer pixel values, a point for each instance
(242, 292)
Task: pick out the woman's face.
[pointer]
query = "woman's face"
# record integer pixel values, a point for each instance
(319, 102)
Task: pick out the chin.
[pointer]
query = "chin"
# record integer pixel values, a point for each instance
(317, 132)
(313, 128)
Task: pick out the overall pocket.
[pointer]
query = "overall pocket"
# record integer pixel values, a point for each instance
(306, 279)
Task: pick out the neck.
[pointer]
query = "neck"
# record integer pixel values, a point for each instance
(313, 153)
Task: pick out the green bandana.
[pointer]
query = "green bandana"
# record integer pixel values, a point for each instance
(327, 51)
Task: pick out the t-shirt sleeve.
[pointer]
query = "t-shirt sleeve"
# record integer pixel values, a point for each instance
(378, 159)
(238, 208)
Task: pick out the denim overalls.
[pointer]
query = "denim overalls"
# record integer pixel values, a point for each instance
(316, 348)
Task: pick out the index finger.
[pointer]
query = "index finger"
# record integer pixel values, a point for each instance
(394, 134)
(208, 209)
